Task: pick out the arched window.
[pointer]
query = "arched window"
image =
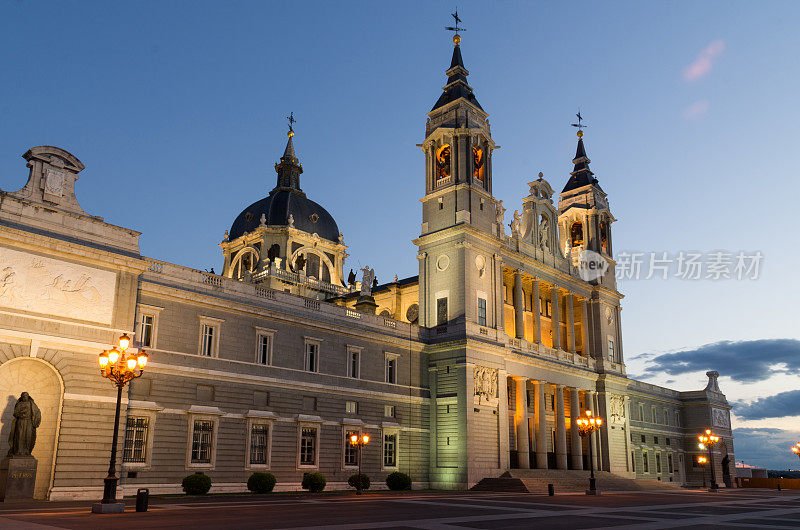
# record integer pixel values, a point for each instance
(246, 261)
(443, 162)
(604, 236)
(479, 164)
(576, 234)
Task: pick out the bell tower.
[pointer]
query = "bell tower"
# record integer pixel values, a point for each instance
(458, 156)
(585, 216)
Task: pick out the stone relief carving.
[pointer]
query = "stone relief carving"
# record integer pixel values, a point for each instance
(45, 285)
(719, 418)
(485, 382)
(616, 407)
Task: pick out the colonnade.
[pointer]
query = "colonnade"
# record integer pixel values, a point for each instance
(531, 429)
(557, 294)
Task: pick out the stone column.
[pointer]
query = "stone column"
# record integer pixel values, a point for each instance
(574, 433)
(590, 395)
(537, 323)
(541, 426)
(499, 293)
(502, 418)
(555, 320)
(570, 323)
(561, 429)
(519, 305)
(521, 422)
(585, 327)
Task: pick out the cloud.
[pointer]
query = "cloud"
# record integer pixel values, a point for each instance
(777, 406)
(769, 448)
(696, 109)
(705, 59)
(743, 361)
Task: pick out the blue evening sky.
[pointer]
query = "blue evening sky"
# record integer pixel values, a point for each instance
(177, 110)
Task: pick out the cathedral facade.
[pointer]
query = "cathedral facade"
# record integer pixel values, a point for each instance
(477, 366)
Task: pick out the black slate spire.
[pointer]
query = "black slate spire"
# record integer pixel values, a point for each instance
(457, 86)
(289, 169)
(581, 174)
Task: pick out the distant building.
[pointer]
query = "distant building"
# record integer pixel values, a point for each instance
(745, 471)
(479, 364)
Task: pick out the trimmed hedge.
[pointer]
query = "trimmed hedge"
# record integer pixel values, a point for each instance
(314, 482)
(261, 482)
(196, 484)
(398, 481)
(353, 481)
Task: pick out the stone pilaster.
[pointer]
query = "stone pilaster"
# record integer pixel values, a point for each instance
(519, 305)
(574, 433)
(570, 323)
(561, 429)
(537, 323)
(541, 425)
(556, 319)
(521, 422)
(502, 418)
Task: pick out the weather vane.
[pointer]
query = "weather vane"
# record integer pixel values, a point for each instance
(456, 29)
(579, 125)
(291, 119)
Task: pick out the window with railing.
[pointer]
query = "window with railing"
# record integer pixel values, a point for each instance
(202, 438)
(259, 442)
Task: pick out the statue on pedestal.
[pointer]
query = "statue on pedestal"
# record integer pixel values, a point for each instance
(27, 418)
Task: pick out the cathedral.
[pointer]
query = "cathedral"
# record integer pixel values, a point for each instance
(475, 370)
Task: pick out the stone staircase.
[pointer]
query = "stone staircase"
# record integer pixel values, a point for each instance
(566, 481)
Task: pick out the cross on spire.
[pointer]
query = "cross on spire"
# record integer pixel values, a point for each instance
(291, 119)
(456, 28)
(579, 125)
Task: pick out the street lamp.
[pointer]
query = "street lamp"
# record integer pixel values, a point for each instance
(796, 449)
(121, 367)
(702, 461)
(586, 426)
(709, 439)
(359, 441)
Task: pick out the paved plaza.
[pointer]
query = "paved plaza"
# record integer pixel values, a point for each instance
(689, 509)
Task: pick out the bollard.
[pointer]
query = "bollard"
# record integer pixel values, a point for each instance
(142, 499)
(551, 490)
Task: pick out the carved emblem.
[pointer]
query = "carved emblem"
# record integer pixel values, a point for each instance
(314, 217)
(719, 418)
(54, 182)
(609, 316)
(485, 382)
(412, 314)
(616, 406)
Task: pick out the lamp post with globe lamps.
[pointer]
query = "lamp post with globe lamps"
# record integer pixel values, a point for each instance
(586, 426)
(709, 440)
(796, 449)
(359, 441)
(121, 367)
(702, 461)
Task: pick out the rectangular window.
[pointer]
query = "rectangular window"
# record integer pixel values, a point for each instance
(655, 440)
(677, 419)
(633, 461)
(611, 350)
(665, 416)
(146, 330)
(353, 364)
(669, 462)
(390, 450)
(388, 411)
(351, 407)
(645, 463)
(667, 441)
(135, 449)
(658, 463)
(350, 450)
(441, 311)
(643, 439)
(208, 340)
(653, 414)
(308, 446)
(391, 369)
(264, 350)
(201, 441)
(259, 441)
(312, 357)
(641, 412)
(481, 311)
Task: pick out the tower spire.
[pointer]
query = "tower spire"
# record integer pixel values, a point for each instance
(457, 86)
(289, 168)
(581, 174)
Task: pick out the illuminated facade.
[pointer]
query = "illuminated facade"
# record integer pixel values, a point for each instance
(473, 368)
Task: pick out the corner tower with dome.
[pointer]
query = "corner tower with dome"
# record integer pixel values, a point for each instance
(285, 240)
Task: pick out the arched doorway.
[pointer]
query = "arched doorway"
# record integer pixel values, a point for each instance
(41, 380)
